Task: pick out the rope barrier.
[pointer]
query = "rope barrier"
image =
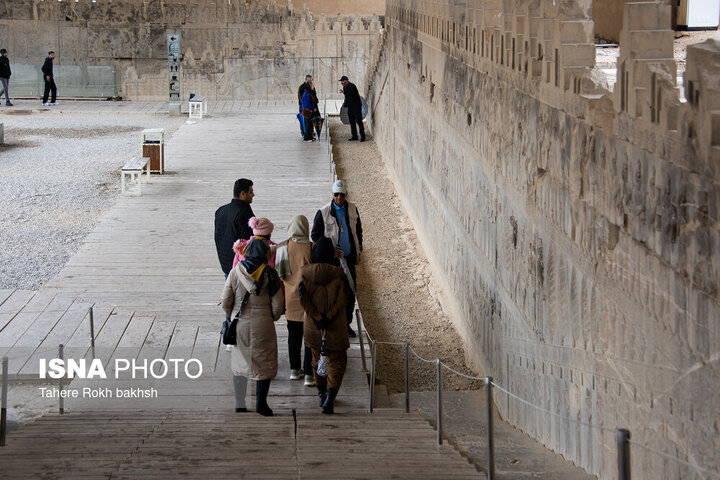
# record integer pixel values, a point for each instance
(550, 412)
(695, 467)
(462, 374)
(676, 459)
(412, 350)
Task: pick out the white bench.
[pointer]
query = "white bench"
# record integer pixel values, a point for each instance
(134, 167)
(197, 106)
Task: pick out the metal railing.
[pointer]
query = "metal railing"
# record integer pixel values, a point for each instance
(61, 401)
(623, 435)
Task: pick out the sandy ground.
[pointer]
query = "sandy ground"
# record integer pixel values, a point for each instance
(398, 296)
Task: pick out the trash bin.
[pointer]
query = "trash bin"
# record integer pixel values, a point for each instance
(153, 147)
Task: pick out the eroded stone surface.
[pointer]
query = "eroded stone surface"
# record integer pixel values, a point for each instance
(229, 51)
(577, 229)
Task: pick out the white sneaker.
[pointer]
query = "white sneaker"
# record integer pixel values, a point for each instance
(54, 103)
(296, 374)
(228, 348)
(46, 104)
(309, 381)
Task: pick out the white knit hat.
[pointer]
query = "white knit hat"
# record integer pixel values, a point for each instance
(339, 187)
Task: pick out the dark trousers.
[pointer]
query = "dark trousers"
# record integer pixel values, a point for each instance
(295, 344)
(50, 87)
(308, 129)
(5, 86)
(338, 365)
(355, 116)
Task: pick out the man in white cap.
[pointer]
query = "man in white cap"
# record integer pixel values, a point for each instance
(339, 221)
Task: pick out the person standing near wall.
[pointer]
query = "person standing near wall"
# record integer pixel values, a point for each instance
(47, 70)
(354, 106)
(5, 76)
(306, 85)
(339, 221)
(309, 111)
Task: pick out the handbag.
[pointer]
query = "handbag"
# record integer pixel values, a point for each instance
(323, 368)
(229, 327)
(307, 113)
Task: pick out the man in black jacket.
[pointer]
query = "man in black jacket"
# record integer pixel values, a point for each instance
(354, 106)
(231, 222)
(47, 70)
(5, 76)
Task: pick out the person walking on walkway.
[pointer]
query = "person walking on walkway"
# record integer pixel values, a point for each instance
(253, 294)
(292, 255)
(5, 73)
(231, 222)
(322, 296)
(47, 70)
(354, 106)
(339, 221)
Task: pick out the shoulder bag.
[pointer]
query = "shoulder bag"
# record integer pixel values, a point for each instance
(229, 328)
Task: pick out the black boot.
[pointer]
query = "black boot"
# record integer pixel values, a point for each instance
(329, 405)
(261, 393)
(322, 393)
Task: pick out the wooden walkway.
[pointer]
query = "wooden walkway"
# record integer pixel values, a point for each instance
(205, 445)
(150, 267)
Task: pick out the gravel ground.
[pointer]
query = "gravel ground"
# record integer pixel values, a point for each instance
(58, 174)
(399, 297)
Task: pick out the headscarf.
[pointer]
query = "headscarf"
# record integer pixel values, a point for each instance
(256, 255)
(299, 229)
(323, 252)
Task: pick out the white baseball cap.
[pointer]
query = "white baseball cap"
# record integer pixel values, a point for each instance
(339, 187)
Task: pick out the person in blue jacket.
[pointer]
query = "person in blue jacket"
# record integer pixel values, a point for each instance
(309, 110)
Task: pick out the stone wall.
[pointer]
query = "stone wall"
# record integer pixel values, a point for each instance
(576, 227)
(607, 13)
(230, 51)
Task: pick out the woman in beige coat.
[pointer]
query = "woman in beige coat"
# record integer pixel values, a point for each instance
(252, 292)
(292, 255)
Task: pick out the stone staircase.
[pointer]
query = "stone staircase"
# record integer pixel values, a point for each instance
(294, 444)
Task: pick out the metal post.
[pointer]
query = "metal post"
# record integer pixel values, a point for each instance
(92, 331)
(360, 338)
(61, 401)
(407, 378)
(490, 430)
(439, 401)
(373, 354)
(3, 411)
(623, 447)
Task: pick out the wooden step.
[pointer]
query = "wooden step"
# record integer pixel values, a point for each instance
(211, 444)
